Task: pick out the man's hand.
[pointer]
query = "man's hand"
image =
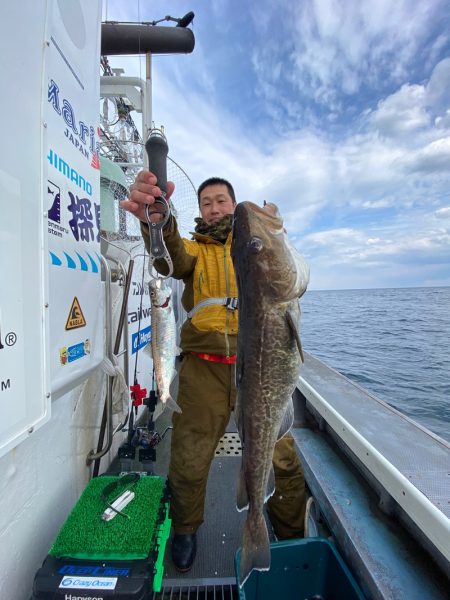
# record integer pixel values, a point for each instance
(144, 191)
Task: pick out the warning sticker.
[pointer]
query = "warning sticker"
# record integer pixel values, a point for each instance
(76, 318)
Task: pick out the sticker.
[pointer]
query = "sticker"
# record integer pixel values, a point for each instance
(63, 355)
(76, 318)
(75, 352)
(81, 136)
(139, 315)
(141, 339)
(66, 169)
(54, 196)
(88, 583)
(99, 570)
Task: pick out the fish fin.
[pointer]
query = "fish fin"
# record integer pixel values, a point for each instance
(270, 490)
(170, 402)
(239, 373)
(238, 418)
(242, 495)
(287, 421)
(255, 551)
(295, 332)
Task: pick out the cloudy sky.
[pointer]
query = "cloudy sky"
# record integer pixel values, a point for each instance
(337, 110)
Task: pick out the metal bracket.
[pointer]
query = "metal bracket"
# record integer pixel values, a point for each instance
(158, 248)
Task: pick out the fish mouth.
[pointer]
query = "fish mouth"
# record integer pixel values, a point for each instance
(160, 293)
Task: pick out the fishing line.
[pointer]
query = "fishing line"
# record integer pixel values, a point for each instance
(139, 44)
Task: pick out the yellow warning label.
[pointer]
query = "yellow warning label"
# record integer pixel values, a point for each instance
(76, 318)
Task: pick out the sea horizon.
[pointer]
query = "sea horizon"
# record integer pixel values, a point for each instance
(391, 341)
(399, 287)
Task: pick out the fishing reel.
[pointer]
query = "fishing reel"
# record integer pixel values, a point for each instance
(148, 439)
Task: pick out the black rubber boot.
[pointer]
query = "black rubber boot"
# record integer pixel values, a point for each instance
(184, 549)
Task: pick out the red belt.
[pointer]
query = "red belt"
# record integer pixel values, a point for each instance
(218, 358)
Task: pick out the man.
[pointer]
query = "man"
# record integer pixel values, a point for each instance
(208, 341)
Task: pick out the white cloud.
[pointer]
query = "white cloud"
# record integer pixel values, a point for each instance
(443, 213)
(412, 109)
(308, 176)
(443, 122)
(403, 112)
(438, 88)
(432, 158)
(377, 204)
(369, 207)
(347, 257)
(334, 48)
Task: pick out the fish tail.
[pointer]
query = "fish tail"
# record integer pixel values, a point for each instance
(242, 496)
(255, 552)
(170, 402)
(270, 490)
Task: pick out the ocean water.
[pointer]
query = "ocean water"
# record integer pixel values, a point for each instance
(393, 342)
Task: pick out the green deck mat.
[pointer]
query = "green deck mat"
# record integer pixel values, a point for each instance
(85, 535)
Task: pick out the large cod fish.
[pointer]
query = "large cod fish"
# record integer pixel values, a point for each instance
(164, 340)
(271, 276)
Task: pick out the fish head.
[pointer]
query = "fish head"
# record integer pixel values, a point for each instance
(263, 257)
(160, 293)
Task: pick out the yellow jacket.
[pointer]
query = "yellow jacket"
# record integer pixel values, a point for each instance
(206, 268)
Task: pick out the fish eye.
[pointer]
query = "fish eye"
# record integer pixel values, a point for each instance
(255, 244)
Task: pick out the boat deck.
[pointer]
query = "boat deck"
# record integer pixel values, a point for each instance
(420, 456)
(381, 482)
(213, 573)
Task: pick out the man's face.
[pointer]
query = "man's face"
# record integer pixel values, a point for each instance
(215, 203)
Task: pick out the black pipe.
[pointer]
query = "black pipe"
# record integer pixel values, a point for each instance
(125, 38)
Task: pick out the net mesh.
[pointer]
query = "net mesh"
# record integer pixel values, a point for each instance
(120, 142)
(119, 224)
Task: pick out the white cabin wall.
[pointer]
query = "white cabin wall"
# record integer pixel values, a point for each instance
(42, 476)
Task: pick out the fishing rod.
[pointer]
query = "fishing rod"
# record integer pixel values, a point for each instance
(138, 394)
(147, 438)
(123, 309)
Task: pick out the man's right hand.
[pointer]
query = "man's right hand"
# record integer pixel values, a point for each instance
(144, 191)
